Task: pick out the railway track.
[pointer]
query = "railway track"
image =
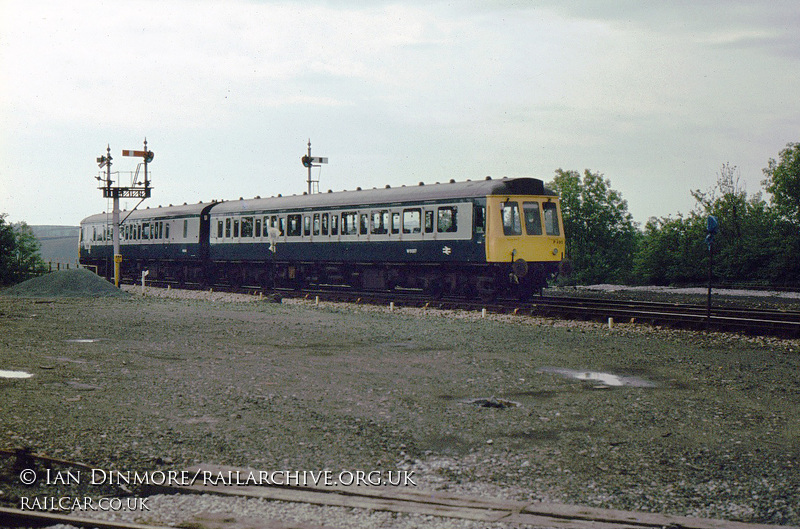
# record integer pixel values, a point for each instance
(380, 498)
(779, 323)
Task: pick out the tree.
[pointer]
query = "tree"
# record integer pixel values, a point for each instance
(783, 183)
(19, 252)
(600, 232)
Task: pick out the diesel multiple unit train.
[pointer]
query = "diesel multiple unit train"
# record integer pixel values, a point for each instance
(475, 238)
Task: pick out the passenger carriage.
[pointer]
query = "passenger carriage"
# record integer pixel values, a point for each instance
(464, 238)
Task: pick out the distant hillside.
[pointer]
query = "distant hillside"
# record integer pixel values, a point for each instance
(59, 243)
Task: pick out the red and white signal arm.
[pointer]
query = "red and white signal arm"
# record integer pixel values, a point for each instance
(148, 155)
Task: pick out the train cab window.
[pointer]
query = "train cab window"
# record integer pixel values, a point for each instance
(380, 219)
(511, 222)
(315, 224)
(258, 228)
(446, 221)
(364, 225)
(247, 226)
(306, 225)
(533, 219)
(295, 228)
(395, 222)
(227, 228)
(429, 222)
(551, 219)
(411, 220)
(324, 223)
(334, 224)
(219, 229)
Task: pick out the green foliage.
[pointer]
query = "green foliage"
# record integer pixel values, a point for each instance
(600, 232)
(755, 244)
(783, 183)
(19, 253)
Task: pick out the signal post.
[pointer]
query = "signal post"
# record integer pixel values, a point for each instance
(114, 193)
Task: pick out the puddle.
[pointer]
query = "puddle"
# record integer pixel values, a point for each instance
(603, 379)
(492, 402)
(14, 374)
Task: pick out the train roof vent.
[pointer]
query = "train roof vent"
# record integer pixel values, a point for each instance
(358, 188)
(241, 198)
(184, 203)
(279, 195)
(330, 191)
(258, 196)
(305, 192)
(452, 180)
(170, 205)
(488, 178)
(422, 183)
(387, 186)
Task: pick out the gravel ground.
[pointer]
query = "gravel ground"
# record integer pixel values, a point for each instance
(168, 381)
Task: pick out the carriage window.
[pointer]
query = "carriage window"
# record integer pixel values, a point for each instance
(411, 220)
(533, 220)
(247, 226)
(161, 230)
(350, 223)
(480, 219)
(227, 228)
(447, 220)
(334, 224)
(511, 221)
(282, 225)
(307, 225)
(258, 227)
(185, 228)
(145, 230)
(395, 222)
(364, 224)
(138, 232)
(316, 224)
(166, 230)
(294, 228)
(324, 223)
(379, 221)
(429, 222)
(551, 218)
(235, 228)
(219, 229)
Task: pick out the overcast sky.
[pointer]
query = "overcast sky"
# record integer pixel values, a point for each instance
(654, 95)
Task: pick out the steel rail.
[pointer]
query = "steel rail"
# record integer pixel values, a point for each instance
(743, 320)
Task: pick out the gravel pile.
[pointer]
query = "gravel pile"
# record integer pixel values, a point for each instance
(78, 283)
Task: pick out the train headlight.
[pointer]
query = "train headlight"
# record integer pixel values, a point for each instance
(555, 251)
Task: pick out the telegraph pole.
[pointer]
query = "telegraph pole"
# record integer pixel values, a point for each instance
(115, 193)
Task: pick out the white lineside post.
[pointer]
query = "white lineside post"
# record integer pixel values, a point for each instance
(144, 274)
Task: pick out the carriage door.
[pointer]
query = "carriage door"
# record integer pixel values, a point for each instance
(428, 223)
